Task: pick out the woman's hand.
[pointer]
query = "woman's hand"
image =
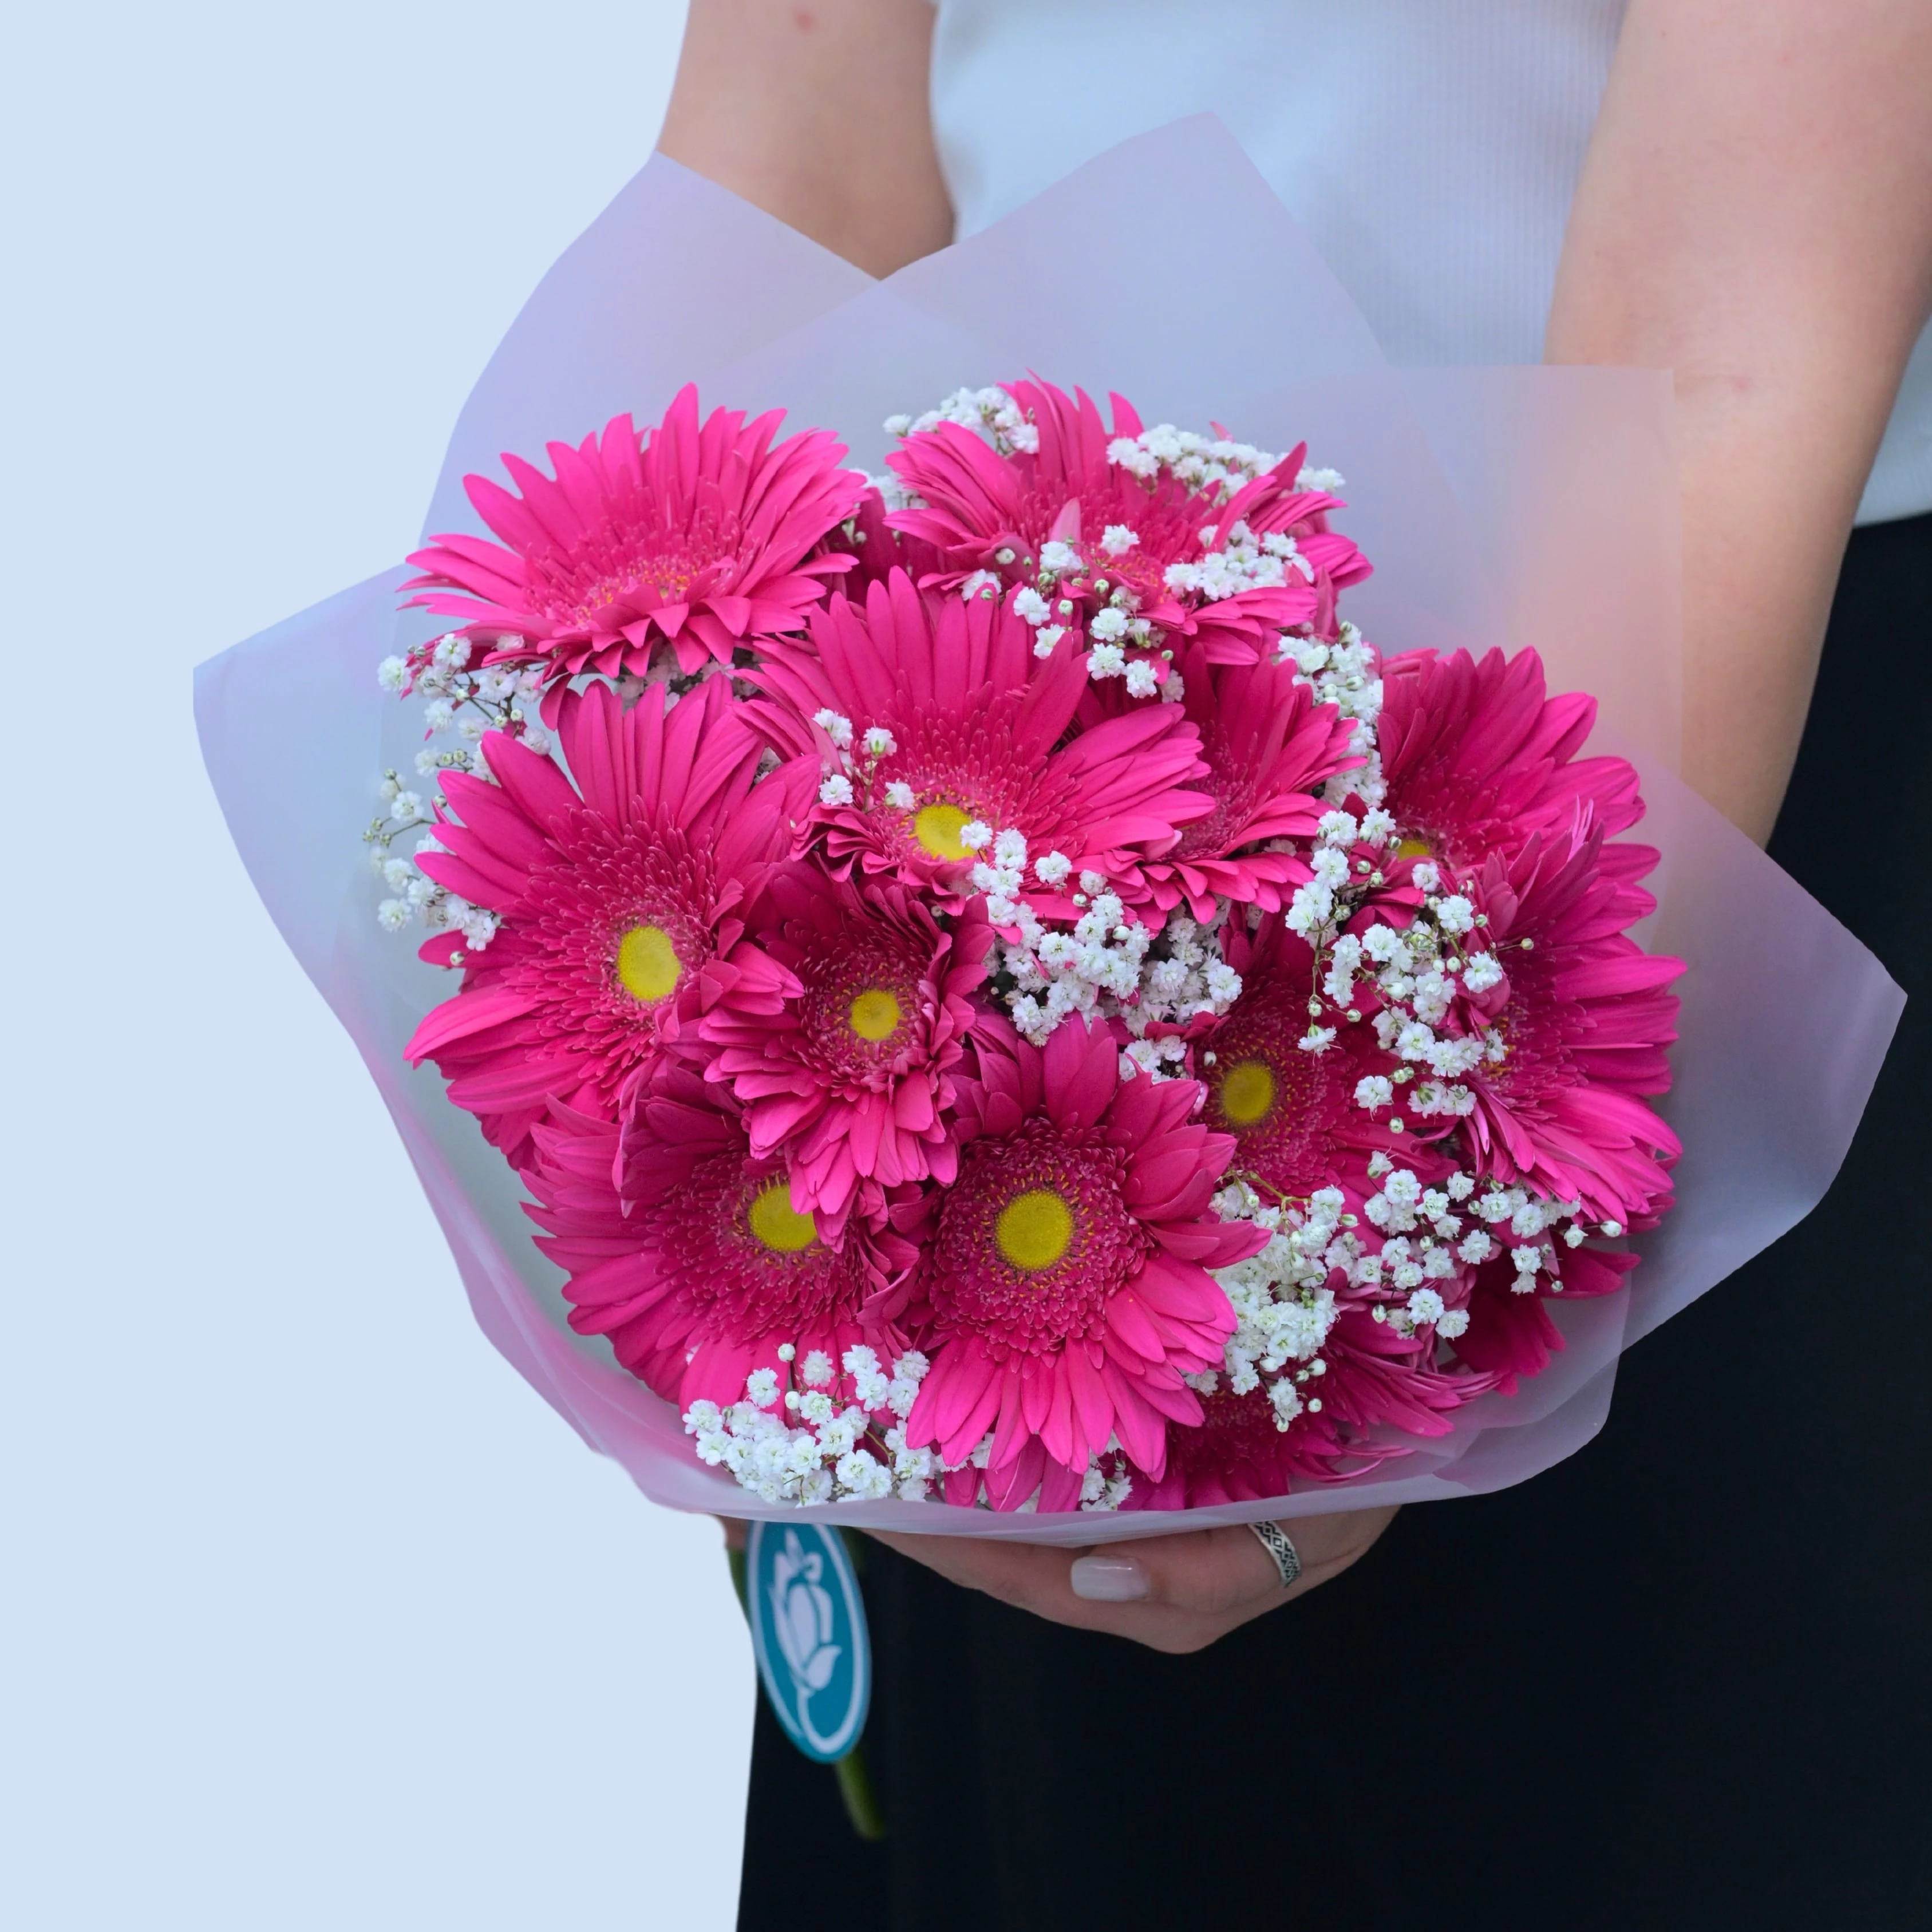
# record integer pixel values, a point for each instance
(1175, 1594)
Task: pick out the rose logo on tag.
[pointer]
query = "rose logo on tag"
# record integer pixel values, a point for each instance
(809, 1635)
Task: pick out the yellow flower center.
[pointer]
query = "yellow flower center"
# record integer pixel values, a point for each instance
(875, 1014)
(1247, 1092)
(937, 828)
(1035, 1229)
(1412, 848)
(647, 963)
(777, 1223)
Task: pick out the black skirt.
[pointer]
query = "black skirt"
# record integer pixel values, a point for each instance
(1683, 1679)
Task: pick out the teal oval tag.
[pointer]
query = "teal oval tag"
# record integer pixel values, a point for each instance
(809, 1635)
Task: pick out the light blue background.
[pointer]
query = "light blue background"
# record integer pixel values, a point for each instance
(312, 1614)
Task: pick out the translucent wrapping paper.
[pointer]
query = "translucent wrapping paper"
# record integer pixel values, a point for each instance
(1515, 507)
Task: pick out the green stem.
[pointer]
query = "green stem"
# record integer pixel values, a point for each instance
(862, 1802)
(855, 1781)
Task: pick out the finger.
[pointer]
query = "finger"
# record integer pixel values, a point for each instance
(1209, 1572)
(1151, 1597)
(1029, 1575)
(1036, 1578)
(1218, 1570)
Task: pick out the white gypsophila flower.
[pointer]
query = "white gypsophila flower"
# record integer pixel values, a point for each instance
(1328, 481)
(1527, 1220)
(900, 795)
(1415, 1041)
(975, 834)
(1425, 1306)
(1141, 681)
(1480, 972)
(1310, 910)
(1403, 1188)
(892, 492)
(1059, 559)
(990, 413)
(392, 673)
(880, 742)
(1283, 1309)
(1044, 642)
(1244, 562)
(1117, 539)
(835, 790)
(838, 729)
(980, 584)
(1030, 606)
(392, 915)
(762, 1386)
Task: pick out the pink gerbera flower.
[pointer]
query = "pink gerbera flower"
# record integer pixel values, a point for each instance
(976, 724)
(1290, 1108)
(876, 549)
(1269, 747)
(1066, 1267)
(1575, 1017)
(686, 1250)
(1477, 757)
(849, 1057)
(702, 538)
(1241, 1453)
(1510, 1334)
(619, 906)
(1200, 550)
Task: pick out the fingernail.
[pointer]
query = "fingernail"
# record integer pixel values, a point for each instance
(1109, 1579)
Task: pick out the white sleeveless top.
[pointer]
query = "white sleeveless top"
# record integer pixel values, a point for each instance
(1430, 148)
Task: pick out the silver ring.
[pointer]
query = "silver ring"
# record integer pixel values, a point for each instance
(1287, 1558)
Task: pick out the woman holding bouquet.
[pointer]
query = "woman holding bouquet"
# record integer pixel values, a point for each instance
(1679, 1679)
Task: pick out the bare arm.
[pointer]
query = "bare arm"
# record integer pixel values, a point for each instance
(817, 114)
(1756, 213)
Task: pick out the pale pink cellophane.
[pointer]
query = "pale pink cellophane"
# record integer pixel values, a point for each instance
(1518, 506)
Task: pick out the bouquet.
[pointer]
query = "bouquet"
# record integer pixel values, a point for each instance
(1009, 986)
